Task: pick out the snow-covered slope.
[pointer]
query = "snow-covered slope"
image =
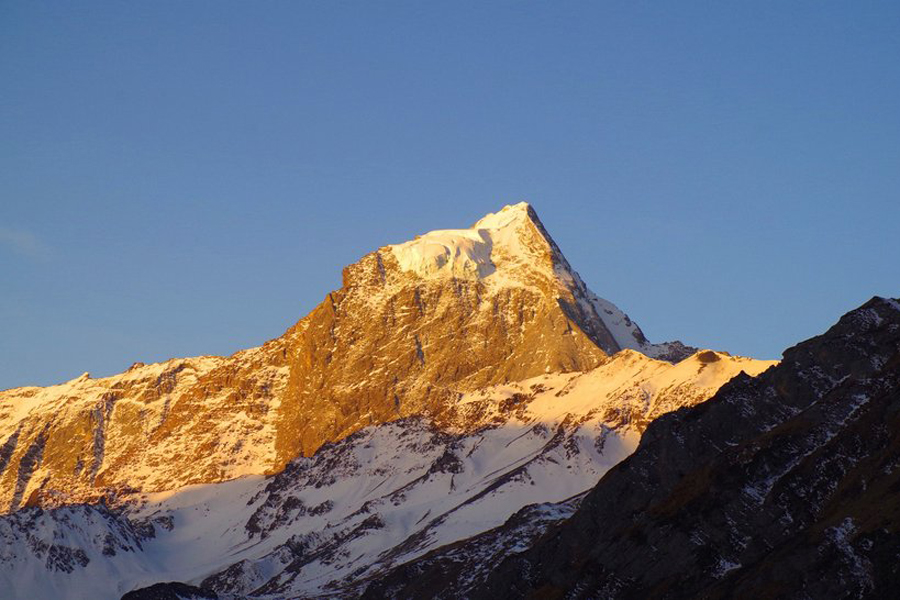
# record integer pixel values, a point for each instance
(453, 571)
(46, 553)
(380, 497)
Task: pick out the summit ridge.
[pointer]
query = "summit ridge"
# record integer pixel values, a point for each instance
(497, 248)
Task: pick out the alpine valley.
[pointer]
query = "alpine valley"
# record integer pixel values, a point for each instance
(438, 427)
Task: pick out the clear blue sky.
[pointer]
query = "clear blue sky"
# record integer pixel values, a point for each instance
(183, 178)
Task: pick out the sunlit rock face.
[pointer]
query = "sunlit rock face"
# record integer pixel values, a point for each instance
(418, 323)
(155, 426)
(413, 327)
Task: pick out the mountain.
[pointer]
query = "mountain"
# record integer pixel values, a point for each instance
(452, 311)
(414, 326)
(454, 381)
(328, 524)
(780, 486)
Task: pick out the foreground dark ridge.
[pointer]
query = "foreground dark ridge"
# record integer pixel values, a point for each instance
(780, 486)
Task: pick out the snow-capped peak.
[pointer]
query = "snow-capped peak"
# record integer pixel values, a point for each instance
(509, 214)
(511, 248)
(502, 247)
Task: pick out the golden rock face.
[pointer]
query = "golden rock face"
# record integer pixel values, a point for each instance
(356, 364)
(394, 341)
(153, 427)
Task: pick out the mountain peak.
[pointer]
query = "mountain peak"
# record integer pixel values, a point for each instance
(509, 247)
(506, 216)
(512, 249)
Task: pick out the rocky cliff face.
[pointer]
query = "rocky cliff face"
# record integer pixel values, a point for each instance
(782, 486)
(158, 426)
(452, 311)
(414, 326)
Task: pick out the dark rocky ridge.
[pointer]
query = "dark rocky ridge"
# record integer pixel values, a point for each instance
(173, 590)
(781, 486)
(455, 570)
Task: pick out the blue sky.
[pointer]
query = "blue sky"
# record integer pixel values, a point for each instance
(183, 178)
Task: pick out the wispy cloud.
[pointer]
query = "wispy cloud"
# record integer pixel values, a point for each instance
(24, 243)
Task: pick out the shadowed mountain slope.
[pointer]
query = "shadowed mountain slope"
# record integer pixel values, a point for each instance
(780, 486)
